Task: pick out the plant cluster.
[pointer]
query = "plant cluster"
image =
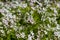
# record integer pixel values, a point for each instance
(29, 20)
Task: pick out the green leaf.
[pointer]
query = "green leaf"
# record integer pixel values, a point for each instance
(37, 17)
(1, 15)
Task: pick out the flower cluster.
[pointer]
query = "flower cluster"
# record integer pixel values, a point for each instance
(29, 20)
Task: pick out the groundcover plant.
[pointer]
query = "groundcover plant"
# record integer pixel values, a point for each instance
(29, 20)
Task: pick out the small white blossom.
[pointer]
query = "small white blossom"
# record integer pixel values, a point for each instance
(12, 21)
(33, 0)
(31, 20)
(55, 11)
(14, 16)
(22, 34)
(5, 10)
(58, 26)
(46, 1)
(32, 33)
(48, 5)
(9, 15)
(40, 4)
(2, 31)
(44, 9)
(31, 4)
(23, 5)
(29, 37)
(58, 4)
(33, 8)
(1, 10)
(21, 27)
(45, 32)
(13, 5)
(5, 21)
(57, 33)
(18, 36)
(15, 28)
(31, 12)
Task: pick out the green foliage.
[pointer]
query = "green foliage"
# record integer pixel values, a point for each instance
(1, 15)
(37, 17)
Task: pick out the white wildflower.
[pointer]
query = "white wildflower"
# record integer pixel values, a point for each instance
(21, 27)
(13, 5)
(12, 21)
(1, 10)
(14, 16)
(9, 15)
(18, 36)
(29, 37)
(37, 6)
(32, 33)
(8, 6)
(33, 8)
(58, 4)
(57, 33)
(31, 12)
(22, 34)
(33, 0)
(58, 26)
(31, 20)
(46, 1)
(39, 11)
(40, 4)
(48, 5)
(38, 38)
(11, 26)
(5, 21)
(2, 31)
(16, 2)
(55, 11)
(31, 4)
(15, 28)
(23, 5)
(45, 32)
(44, 9)
(5, 10)
(51, 8)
